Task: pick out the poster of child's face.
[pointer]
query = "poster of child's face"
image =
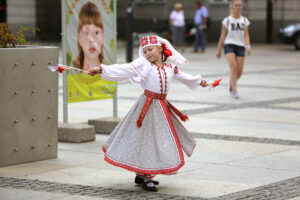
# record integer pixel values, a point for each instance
(90, 37)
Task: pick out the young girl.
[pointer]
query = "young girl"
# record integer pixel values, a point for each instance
(236, 30)
(150, 139)
(90, 37)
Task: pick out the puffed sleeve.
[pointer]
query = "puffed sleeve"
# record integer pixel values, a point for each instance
(118, 72)
(189, 80)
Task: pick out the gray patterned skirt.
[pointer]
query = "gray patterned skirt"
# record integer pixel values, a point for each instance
(154, 148)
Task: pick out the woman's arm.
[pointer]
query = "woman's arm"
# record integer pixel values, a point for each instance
(221, 40)
(247, 40)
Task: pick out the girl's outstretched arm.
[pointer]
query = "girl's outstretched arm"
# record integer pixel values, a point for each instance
(190, 81)
(118, 72)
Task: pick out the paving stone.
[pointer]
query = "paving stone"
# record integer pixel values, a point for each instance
(75, 132)
(104, 125)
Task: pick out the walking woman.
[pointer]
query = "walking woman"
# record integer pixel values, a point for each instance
(177, 26)
(235, 37)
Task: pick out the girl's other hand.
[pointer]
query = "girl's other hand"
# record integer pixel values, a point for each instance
(248, 49)
(218, 54)
(204, 83)
(93, 71)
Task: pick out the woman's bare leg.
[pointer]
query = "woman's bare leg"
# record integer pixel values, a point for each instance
(232, 61)
(240, 66)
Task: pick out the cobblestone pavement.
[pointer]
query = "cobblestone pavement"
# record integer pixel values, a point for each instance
(276, 191)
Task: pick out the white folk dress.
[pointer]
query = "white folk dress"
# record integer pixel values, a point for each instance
(157, 146)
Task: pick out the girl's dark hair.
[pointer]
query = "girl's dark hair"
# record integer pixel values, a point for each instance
(88, 14)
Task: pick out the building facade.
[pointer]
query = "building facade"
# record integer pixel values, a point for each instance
(266, 16)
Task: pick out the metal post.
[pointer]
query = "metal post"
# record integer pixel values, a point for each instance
(269, 30)
(115, 99)
(65, 88)
(129, 45)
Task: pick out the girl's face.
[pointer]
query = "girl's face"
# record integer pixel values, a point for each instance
(91, 40)
(236, 7)
(153, 53)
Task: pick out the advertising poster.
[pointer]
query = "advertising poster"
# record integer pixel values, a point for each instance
(90, 38)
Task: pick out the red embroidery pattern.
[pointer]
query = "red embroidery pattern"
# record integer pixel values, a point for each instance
(168, 65)
(161, 84)
(176, 70)
(153, 40)
(149, 40)
(165, 79)
(155, 95)
(144, 41)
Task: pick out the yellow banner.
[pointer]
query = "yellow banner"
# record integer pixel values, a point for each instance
(82, 87)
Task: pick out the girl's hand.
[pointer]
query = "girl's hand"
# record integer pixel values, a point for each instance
(204, 83)
(248, 49)
(93, 71)
(218, 54)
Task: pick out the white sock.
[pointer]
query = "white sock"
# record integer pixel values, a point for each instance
(150, 184)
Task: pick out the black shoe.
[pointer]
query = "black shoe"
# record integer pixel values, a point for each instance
(139, 180)
(150, 189)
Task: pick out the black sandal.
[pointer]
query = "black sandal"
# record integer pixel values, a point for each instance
(139, 181)
(150, 189)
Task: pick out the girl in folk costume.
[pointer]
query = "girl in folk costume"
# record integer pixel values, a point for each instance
(150, 139)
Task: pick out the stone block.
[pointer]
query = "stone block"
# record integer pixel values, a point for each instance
(76, 132)
(105, 125)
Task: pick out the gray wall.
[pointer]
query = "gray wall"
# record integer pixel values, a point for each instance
(21, 12)
(45, 15)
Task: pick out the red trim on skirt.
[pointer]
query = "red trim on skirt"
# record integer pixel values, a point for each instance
(187, 132)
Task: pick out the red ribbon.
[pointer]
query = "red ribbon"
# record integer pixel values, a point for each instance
(166, 51)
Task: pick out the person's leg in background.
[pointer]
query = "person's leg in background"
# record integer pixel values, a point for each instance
(203, 39)
(196, 42)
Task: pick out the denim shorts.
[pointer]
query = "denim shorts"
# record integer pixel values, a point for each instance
(232, 48)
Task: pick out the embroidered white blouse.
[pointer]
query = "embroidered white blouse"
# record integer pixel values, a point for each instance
(155, 78)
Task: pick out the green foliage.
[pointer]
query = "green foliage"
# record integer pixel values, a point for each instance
(10, 40)
(69, 57)
(111, 6)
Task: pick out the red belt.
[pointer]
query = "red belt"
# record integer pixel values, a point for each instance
(152, 95)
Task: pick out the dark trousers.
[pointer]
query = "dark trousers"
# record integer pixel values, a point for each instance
(200, 36)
